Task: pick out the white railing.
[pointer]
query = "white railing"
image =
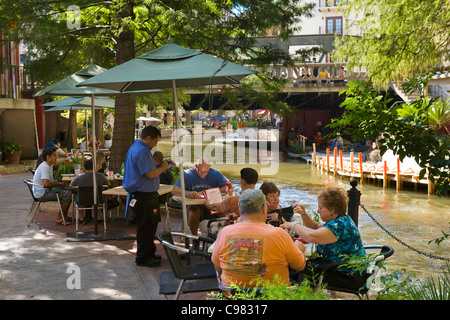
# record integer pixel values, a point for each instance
(304, 73)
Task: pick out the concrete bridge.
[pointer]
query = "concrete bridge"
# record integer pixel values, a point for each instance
(302, 77)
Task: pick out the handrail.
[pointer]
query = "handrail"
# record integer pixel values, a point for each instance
(312, 71)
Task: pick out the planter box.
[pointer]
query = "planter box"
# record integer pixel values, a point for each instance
(13, 158)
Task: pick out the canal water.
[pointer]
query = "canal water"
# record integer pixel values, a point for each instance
(413, 217)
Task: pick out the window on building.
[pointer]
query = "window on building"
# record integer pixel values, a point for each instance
(334, 25)
(333, 3)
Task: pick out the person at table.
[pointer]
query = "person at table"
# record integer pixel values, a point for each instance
(85, 143)
(91, 148)
(100, 159)
(141, 181)
(60, 152)
(85, 179)
(248, 180)
(107, 144)
(166, 177)
(337, 237)
(41, 158)
(272, 194)
(44, 177)
(196, 180)
(252, 249)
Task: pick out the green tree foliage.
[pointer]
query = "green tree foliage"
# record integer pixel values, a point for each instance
(405, 129)
(222, 27)
(397, 39)
(114, 31)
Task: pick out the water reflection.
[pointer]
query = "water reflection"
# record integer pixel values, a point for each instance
(413, 217)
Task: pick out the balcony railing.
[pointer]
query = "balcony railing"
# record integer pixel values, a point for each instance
(14, 82)
(331, 3)
(309, 82)
(306, 74)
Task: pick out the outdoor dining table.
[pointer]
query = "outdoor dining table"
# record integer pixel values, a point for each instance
(69, 178)
(189, 201)
(120, 191)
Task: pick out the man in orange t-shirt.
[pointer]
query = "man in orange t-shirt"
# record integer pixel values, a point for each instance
(252, 249)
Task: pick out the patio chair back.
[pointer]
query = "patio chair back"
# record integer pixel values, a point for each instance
(361, 286)
(86, 196)
(34, 210)
(195, 271)
(86, 202)
(29, 184)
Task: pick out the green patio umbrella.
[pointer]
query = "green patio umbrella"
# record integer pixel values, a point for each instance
(68, 87)
(170, 66)
(80, 103)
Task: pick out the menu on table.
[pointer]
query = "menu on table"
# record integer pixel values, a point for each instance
(213, 195)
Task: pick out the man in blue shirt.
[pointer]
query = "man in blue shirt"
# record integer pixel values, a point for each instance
(141, 181)
(197, 179)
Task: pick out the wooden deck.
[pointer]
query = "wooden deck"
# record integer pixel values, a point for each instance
(380, 173)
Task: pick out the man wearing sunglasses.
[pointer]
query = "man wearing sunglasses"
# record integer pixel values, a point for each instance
(196, 180)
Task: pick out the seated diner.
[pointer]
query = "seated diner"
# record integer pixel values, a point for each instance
(85, 179)
(272, 194)
(337, 238)
(252, 249)
(196, 180)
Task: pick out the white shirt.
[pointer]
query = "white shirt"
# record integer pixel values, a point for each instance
(108, 144)
(44, 171)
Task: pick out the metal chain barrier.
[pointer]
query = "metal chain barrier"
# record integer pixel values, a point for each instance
(400, 241)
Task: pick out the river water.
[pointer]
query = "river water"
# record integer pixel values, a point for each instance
(413, 217)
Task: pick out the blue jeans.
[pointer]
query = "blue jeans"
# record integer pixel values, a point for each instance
(336, 144)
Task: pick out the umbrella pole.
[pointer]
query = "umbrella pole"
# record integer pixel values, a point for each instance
(95, 236)
(94, 164)
(177, 123)
(87, 128)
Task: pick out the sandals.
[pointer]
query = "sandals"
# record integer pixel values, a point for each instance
(68, 223)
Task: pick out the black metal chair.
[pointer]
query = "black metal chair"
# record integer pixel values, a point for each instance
(34, 210)
(218, 223)
(32, 170)
(364, 283)
(86, 202)
(170, 204)
(195, 271)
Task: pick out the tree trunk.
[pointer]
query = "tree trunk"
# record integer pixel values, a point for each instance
(125, 110)
(71, 139)
(99, 125)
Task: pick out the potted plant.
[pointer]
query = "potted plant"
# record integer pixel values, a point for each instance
(12, 151)
(63, 168)
(76, 161)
